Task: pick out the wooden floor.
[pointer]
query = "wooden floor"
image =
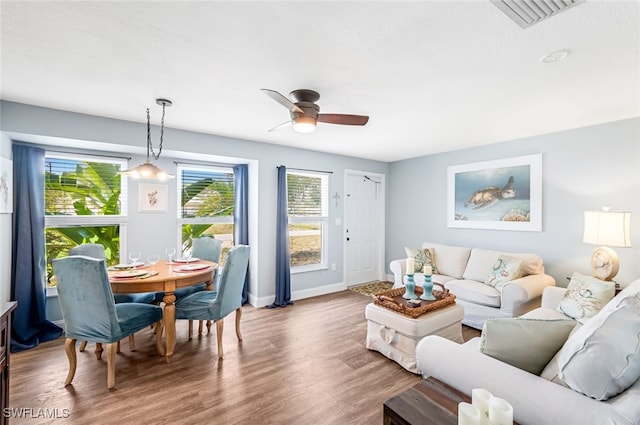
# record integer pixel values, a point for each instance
(303, 364)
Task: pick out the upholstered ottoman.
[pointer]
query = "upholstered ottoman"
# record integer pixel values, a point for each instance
(396, 336)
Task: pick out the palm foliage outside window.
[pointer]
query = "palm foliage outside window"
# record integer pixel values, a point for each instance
(307, 199)
(85, 202)
(206, 205)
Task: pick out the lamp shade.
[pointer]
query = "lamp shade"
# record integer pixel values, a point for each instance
(609, 228)
(304, 124)
(147, 171)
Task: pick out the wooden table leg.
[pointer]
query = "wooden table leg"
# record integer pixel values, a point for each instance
(170, 324)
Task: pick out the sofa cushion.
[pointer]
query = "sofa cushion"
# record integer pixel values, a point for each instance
(602, 358)
(482, 260)
(451, 260)
(504, 270)
(422, 257)
(585, 296)
(527, 344)
(474, 292)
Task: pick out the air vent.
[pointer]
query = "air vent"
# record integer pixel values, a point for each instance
(528, 12)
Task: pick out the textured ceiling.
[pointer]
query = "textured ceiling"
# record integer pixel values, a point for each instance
(433, 76)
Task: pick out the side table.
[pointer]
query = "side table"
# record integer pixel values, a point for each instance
(429, 402)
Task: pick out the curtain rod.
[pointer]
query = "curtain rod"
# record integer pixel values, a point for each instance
(207, 164)
(305, 169)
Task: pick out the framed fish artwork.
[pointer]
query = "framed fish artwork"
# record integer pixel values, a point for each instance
(503, 194)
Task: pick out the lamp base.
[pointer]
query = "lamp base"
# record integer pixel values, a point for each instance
(604, 263)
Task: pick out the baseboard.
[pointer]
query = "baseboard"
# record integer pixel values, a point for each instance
(390, 278)
(300, 295)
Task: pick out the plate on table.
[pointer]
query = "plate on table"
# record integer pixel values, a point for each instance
(127, 266)
(192, 267)
(184, 260)
(127, 274)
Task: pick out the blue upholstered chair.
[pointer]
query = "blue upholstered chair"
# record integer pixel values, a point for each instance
(215, 305)
(90, 312)
(97, 251)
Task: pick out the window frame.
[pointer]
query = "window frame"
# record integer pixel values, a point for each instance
(181, 221)
(68, 221)
(323, 220)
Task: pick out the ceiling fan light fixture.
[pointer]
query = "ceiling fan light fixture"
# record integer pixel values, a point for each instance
(304, 124)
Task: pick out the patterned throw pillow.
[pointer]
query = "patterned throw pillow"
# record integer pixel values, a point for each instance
(585, 296)
(503, 271)
(422, 257)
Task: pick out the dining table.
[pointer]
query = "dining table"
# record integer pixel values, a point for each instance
(164, 277)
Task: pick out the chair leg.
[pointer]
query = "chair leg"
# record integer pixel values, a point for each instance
(132, 343)
(159, 346)
(238, 316)
(111, 365)
(190, 330)
(199, 327)
(219, 329)
(208, 326)
(70, 349)
(98, 350)
(83, 345)
(118, 347)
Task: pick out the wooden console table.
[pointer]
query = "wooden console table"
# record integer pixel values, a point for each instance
(429, 402)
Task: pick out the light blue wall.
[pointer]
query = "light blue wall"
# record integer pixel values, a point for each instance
(582, 169)
(156, 231)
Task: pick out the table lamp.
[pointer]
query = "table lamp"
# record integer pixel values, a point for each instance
(606, 228)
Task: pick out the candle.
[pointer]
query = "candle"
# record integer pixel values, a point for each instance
(411, 265)
(500, 412)
(480, 399)
(427, 270)
(468, 414)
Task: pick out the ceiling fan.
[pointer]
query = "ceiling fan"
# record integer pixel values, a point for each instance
(305, 113)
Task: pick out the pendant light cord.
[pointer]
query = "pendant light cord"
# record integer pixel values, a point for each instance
(149, 144)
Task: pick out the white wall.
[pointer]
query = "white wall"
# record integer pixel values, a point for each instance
(5, 235)
(48, 126)
(582, 169)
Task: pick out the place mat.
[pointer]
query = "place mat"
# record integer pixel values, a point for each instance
(125, 266)
(392, 299)
(184, 260)
(191, 267)
(128, 274)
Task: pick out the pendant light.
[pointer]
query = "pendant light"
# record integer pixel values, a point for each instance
(148, 170)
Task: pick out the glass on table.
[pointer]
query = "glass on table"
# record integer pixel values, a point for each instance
(153, 260)
(134, 256)
(170, 253)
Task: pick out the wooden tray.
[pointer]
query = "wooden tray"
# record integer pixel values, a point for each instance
(400, 305)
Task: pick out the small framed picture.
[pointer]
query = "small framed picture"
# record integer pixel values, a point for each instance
(6, 186)
(152, 197)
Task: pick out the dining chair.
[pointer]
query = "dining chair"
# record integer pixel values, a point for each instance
(227, 297)
(90, 312)
(95, 250)
(205, 248)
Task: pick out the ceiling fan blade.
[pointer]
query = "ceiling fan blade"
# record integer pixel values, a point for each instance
(344, 119)
(281, 126)
(282, 100)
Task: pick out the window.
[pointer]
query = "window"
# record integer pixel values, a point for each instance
(307, 199)
(85, 202)
(206, 204)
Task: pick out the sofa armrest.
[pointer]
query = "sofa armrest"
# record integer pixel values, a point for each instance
(523, 294)
(397, 267)
(534, 399)
(551, 296)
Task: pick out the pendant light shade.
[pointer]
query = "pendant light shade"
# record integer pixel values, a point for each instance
(148, 170)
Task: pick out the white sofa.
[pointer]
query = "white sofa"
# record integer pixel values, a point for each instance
(463, 271)
(536, 399)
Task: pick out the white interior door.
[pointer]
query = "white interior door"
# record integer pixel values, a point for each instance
(364, 227)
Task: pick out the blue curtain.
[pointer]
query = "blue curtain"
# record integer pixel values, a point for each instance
(29, 325)
(241, 215)
(283, 271)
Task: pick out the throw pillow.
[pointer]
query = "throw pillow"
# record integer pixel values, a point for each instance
(503, 271)
(585, 296)
(602, 358)
(422, 257)
(528, 344)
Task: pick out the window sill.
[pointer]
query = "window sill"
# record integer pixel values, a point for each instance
(310, 268)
